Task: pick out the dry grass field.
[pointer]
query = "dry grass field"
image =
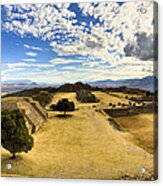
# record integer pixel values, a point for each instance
(106, 98)
(123, 95)
(141, 126)
(82, 145)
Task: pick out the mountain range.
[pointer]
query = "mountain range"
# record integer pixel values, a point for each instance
(147, 83)
(18, 82)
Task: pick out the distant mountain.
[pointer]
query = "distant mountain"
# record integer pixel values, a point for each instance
(10, 86)
(146, 83)
(19, 82)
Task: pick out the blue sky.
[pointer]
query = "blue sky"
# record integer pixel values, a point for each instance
(69, 42)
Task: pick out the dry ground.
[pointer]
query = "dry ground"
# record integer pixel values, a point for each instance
(123, 95)
(141, 126)
(82, 145)
(106, 98)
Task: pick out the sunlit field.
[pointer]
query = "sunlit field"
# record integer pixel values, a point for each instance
(82, 145)
(141, 126)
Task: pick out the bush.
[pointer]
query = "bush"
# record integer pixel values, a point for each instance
(64, 105)
(113, 105)
(53, 107)
(148, 93)
(15, 135)
(134, 104)
(123, 105)
(143, 103)
(119, 104)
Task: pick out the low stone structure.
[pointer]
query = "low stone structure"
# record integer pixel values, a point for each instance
(35, 115)
(129, 111)
(85, 96)
(142, 99)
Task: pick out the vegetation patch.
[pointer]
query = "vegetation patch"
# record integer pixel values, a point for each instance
(15, 136)
(64, 106)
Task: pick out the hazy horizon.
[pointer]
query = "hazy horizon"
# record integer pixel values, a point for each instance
(48, 83)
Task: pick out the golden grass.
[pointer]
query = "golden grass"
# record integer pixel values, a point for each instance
(142, 127)
(106, 98)
(123, 95)
(82, 145)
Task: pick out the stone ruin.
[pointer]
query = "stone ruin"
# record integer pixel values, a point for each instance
(35, 115)
(129, 111)
(85, 96)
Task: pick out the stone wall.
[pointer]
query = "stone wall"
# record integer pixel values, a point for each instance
(34, 114)
(129, 111)
(85, 96)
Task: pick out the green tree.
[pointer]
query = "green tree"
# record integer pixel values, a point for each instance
(64, 105)
(114, 105)
(119, 104)
(123, 105)
(53, 107)
(148, 93)
(134, 104)
(15, 135)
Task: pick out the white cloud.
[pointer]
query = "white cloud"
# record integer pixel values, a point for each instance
(33, 47)
(126, 19)
(29, 60)
(129, 67)
(33, 54)
(10, 70)
(22, 64)
(61, 61)
(91, 64)
(69, 68)
(49, 21)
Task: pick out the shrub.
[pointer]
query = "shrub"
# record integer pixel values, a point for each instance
(64, 105)
(134, 104)
(15, 135)
(110, 104)
(148, 93)
(123, 105)
(113, 105)
(119, 104)
(53, 107)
